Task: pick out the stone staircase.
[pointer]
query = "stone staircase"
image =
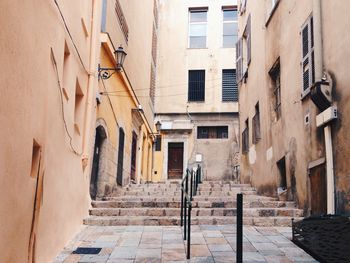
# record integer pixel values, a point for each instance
(214, 204)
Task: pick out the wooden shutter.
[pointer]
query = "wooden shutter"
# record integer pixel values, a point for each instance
(249, 42)
(308, 60)
(239, 60)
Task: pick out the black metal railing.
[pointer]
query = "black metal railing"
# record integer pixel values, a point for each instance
(326, 238)
(189, 188)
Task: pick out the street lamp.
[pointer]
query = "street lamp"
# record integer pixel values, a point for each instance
(119, 54)
(158, 126)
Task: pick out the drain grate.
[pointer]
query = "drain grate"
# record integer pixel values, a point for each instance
(87, 250)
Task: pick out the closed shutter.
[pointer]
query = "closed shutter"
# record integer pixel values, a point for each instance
(229, 85)
(249, 41)
(239, 60)
(308, 59)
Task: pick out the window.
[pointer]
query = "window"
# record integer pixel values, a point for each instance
(245, 138)
(158, 143)
(230, 27)
(281, 164)
(243, 52)
(275, 74)
(256, 125)
(78, 107)
(308, 57)
(229, 85)
(36, 155)
(196, 85)
(212, 132)
(198, 28)
(152, 90)
(104, 16)
(122, 20)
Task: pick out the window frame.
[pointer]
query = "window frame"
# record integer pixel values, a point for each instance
(197, 10)
(275, 76)
(229, 8)
(221, 132)
(189, 93)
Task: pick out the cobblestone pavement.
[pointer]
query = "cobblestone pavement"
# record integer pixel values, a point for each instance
(153, 244)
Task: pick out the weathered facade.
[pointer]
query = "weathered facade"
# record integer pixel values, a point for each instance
(196, 94)
(123, 148)
(286, 47)
(48, 86)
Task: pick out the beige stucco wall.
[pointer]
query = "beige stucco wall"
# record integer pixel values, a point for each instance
(31, 109)
(139, 18)
(175, 58)
(290, 136)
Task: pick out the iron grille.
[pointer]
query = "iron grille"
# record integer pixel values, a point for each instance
(196, 85)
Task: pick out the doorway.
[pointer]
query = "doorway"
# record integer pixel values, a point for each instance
(99, 139)
(175, 160)
(133, 156)
(120, 157)
(318, 190)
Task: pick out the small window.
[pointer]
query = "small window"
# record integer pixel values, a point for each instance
(78, 108)
(281, 164)
(198, 28)
(36, 151)
(229, 85)
(196, 85)
(256, 125)
(212, 132)
(245, 137)
(230, 27)
(158, 143)
(275, 75)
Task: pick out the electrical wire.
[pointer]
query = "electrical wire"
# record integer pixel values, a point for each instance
(70, 36)
(62, 109)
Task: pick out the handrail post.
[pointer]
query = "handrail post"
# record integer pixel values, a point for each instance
(189, 232)
(185, 215)
(182, 205)
(239, 241)
(191, 181)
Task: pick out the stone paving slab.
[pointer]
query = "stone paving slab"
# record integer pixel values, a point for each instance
(164, 244)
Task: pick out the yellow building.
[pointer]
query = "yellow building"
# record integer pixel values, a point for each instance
(123, 146)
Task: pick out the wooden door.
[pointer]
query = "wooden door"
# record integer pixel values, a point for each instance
(120, 157)
(175, 160)
(318, 190)
(95, 162)
(133, 156)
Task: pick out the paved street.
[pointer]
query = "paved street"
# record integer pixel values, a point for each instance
(151, 244)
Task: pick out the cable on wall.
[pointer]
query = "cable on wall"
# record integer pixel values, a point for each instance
(62, 109)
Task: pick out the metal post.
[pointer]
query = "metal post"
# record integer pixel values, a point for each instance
(185, 215)
(189, 232)
(239, 232)
(191, 181)
(182, 205)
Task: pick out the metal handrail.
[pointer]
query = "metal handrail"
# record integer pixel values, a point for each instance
(187, 194)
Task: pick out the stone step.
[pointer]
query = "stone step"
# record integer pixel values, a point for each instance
(160, 212)
(178, 193)
(200, 220)
(201, 204)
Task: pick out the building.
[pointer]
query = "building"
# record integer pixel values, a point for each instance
(123, 148)
(291, 69)
(48, 87)
(196, 94)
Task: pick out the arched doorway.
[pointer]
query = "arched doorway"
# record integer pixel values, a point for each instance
(99, 138)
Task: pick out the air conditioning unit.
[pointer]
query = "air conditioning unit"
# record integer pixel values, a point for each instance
(321, 94)
(327, 116)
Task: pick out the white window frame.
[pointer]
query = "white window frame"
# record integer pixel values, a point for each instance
(190, 10)
(228, 22)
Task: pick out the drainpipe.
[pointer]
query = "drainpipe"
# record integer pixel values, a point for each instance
(319, 74)
(92, 82)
